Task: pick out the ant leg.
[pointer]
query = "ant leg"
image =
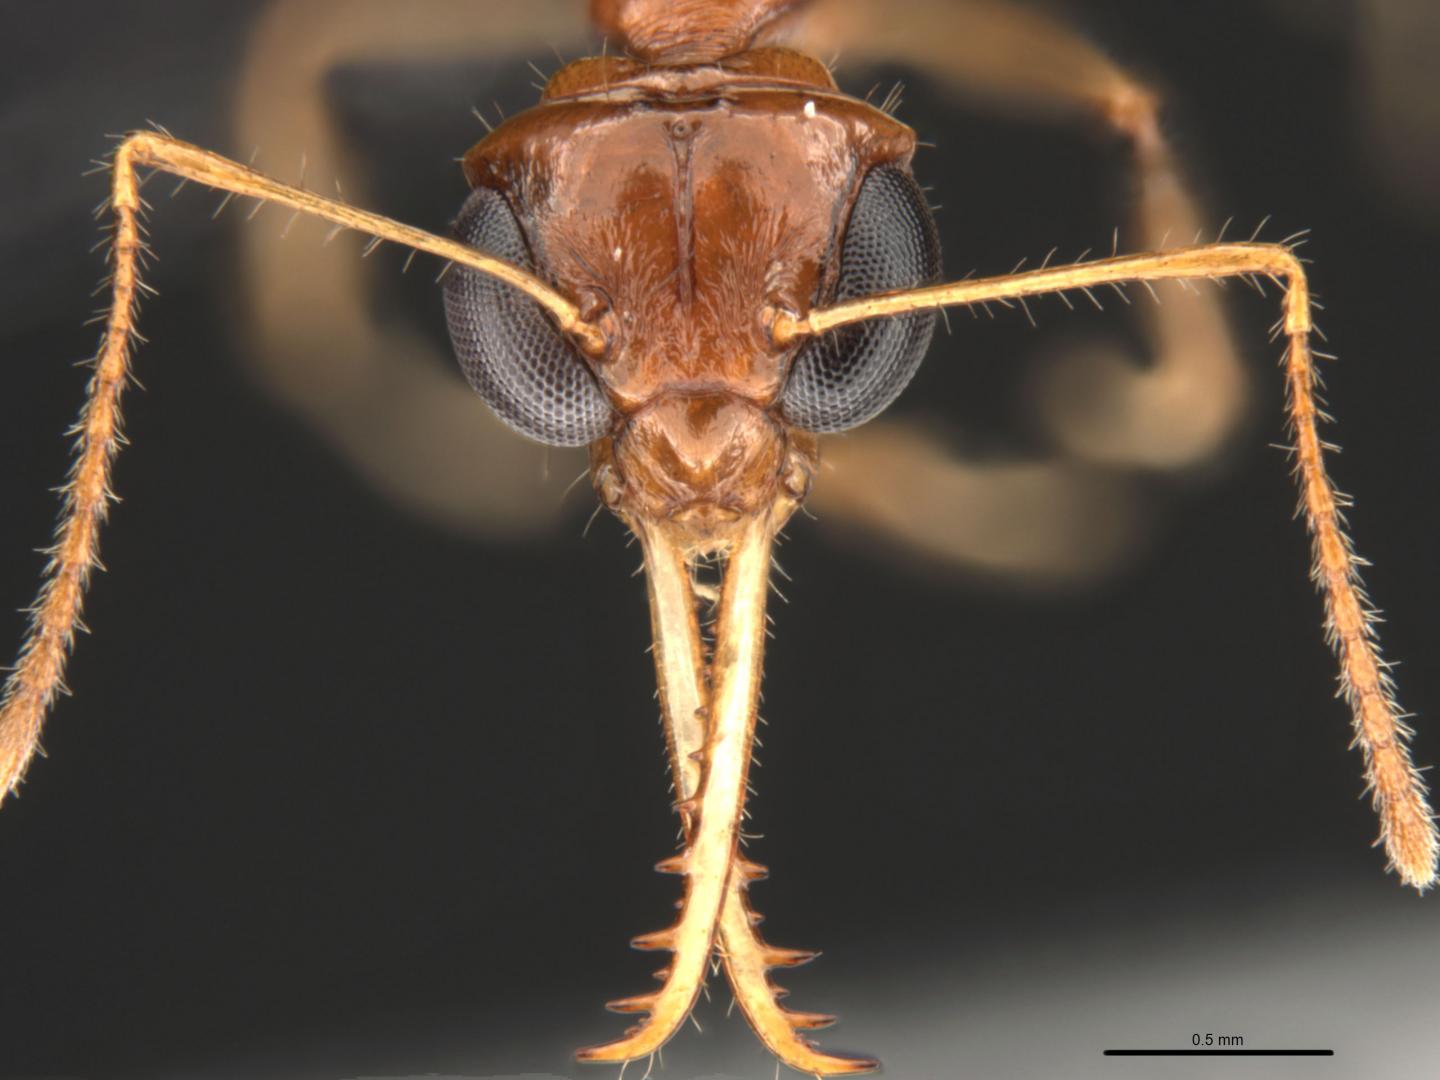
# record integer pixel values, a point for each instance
(1407, 828)
(1106, 414)
(1180, 408)
(39, 673)
(1046, 522)
(380, 394)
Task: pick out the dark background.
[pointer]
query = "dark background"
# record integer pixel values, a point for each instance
(341, 794)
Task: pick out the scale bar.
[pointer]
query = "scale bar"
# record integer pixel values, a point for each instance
(1219, 1053)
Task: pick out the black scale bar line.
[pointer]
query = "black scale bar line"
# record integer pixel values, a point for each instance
(1219, 1053)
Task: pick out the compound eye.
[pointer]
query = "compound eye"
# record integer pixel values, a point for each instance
(511, 352)
(844, 378)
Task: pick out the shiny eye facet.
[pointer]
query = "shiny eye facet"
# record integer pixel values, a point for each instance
(509, 349)
(844, 378)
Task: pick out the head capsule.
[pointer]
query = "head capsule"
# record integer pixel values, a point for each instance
(682, 206)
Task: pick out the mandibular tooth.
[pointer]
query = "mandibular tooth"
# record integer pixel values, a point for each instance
(656, 940)
(808, 1021)
(675, 864)
(776, 957)
(661, 975)
(640, 1003)
(752, 871)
